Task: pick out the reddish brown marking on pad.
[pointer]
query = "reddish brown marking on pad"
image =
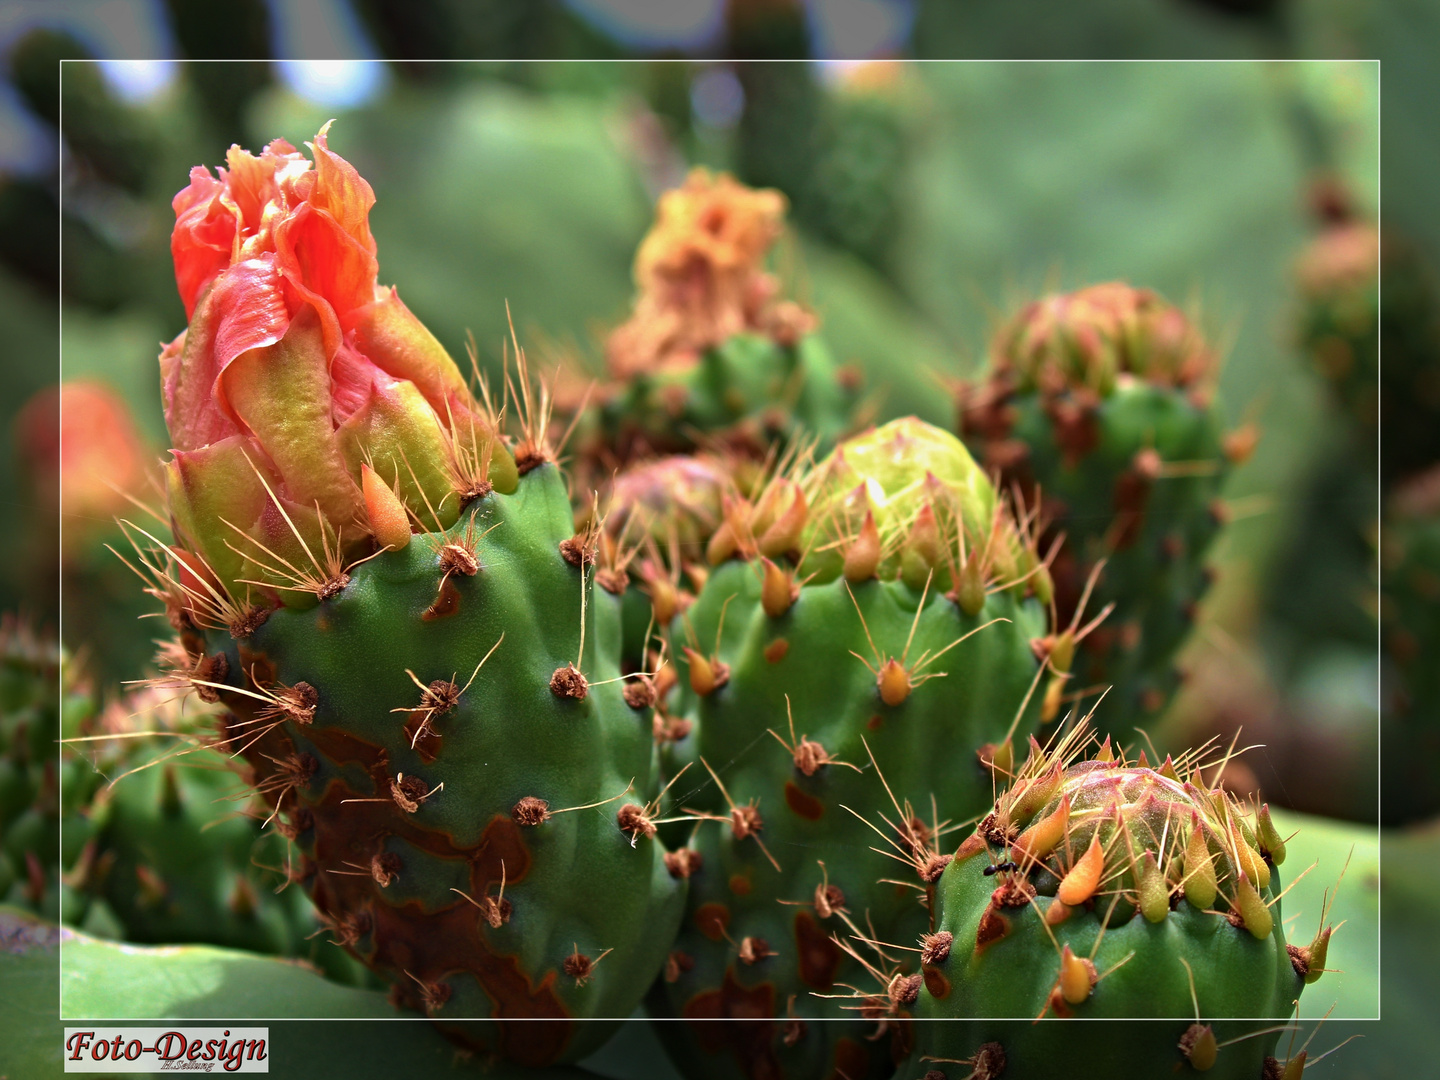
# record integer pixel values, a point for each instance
(993, 926)
(258, 666)
(343, 748)
(435, 945)
(740, 1020)
(776, 650)
(446, 603)
(740, 885)
(430, 742)
(803, 803)
(852, 1060)
(936, 983)
(818, 956)
(712, 920)
(874, 722)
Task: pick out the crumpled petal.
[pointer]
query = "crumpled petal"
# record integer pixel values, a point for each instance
(203, 238)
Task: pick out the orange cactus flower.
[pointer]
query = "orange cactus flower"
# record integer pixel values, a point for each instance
(701, 276)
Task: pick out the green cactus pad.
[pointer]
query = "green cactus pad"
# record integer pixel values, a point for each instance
(789, 700)
(404, 729)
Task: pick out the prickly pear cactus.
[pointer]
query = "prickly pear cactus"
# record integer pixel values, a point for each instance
(710, 353)
(1108, 888)
(1410, 638)
(864, 622)
(437, 721)
(1099, 404)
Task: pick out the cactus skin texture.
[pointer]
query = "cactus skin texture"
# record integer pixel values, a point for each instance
(1142, 1050)
(1102, 399)
(408, 812)
(710, 351)
(791, 867)
(1410, 637)
(1106, 888)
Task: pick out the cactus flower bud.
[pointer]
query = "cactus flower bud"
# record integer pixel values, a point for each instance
(297, 366)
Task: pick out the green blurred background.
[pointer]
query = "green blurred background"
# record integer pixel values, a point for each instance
(927, 200)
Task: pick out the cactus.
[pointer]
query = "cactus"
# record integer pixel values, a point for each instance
(710, 353)
(1111, 888)
(1100, 402)
(874, 604)
(421, 712)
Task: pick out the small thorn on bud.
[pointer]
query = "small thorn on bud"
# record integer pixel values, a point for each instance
(1042, 837)
(1154, 893)
(388, 520)
(893, 682)
(778, 591)
(783, 536)
(664, 600)
(706, 675)
(921, 553)
(722, 544)
(1082, 879)
(1050, 703)
(1272, 845)
(1201, 885)
(1077, 977)
(863, 557)
(1254, 915)
(970, 592)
